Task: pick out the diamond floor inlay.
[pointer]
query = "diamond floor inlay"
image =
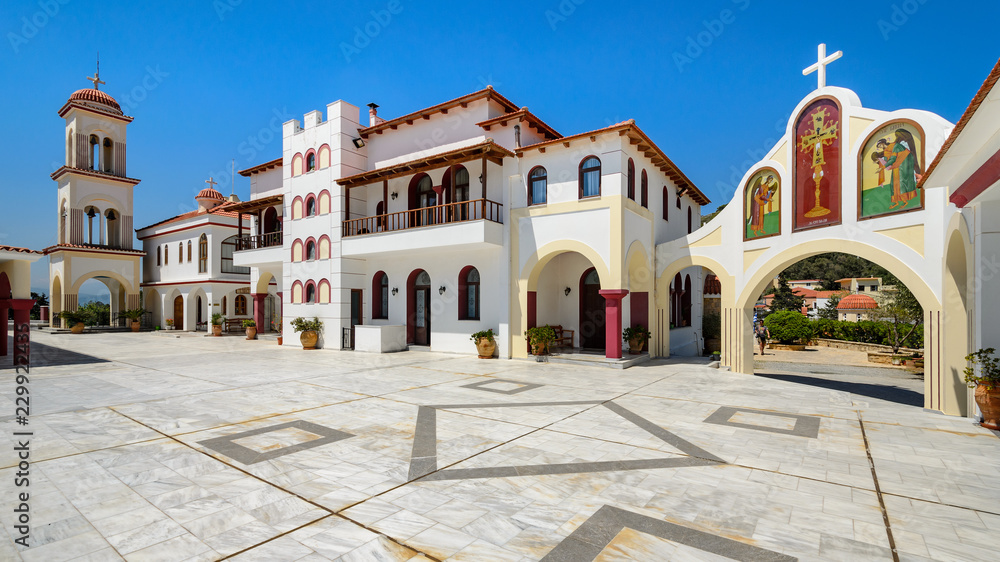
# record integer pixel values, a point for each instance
(762, 420)
(266, 443)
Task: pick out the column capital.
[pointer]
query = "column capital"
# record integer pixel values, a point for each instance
(615, 294)
(21, 304)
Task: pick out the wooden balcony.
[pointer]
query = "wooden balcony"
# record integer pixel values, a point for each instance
(258, 241)
(460, 212)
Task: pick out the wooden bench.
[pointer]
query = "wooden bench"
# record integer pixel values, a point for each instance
(234, 325)
(564, 338)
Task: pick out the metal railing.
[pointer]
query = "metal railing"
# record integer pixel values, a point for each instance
(347, 339)
(462, 211)
(258, 241)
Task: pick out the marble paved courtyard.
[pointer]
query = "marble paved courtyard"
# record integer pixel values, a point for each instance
(146, 447)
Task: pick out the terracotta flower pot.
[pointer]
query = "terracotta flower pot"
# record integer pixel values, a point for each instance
(135, 326)
(279, 340)
(988, 400)
(251, 332)
(539, 349)
(635, 346)
(78, 328)
(486, 348)
(216, 330)
(309, 339)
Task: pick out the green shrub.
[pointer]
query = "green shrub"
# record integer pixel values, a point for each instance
(541, 335)
(788, 326)
(488, 334)
(865, 331)
(711, 325)
(300, 324)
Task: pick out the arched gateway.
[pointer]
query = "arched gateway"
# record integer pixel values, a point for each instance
(843, 178)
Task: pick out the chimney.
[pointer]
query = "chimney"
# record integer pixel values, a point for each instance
(373, 118)
(517, 136)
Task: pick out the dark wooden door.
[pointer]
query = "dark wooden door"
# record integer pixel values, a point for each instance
(422, 315)
(356, 314)
(592, 318)
(179, 313)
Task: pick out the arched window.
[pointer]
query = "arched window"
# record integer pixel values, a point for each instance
(95, 152)
(666, 203)
(112, 236)
(166, 255)
(380, 288)
(203, 254)
(189, 251)
(590, 177)
(424, 196)
(631, 179)
(310, 292)
(228, 247)
(461, 193)
(310, 206)
(180, 252)
(159, 256)
(686, 302)
(91, 215)
(644, 191)
(310, 250)
(108, 153)
(224, 310)
(689, 221)
(678, 201)
(311, 162)
(538, 181)
(63, 218)
(468, 294)
(380, 213)
(676, 294)
(241, 305)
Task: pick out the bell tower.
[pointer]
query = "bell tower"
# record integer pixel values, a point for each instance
(94, 205)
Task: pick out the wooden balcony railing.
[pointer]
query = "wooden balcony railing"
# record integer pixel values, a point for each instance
(462, 211)
(259, 241)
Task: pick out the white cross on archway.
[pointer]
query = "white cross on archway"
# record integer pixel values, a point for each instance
(820, 67)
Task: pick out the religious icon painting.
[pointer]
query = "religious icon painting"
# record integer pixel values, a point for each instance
(892, 163)
(817, 169)
(762, 205)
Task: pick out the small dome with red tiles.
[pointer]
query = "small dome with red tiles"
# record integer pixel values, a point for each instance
(98, 97)
(209, 193)
(857, 302)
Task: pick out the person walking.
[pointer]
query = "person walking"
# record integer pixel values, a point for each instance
(762, 334)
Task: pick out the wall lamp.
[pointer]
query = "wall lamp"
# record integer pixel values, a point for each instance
(394, 195)
(394, 291)
(359, 142)
(441, 290)
(681, 191)
(566, 291)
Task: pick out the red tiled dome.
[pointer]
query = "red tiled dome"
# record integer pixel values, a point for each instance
(209, 193)
(95, 96)
(857, 302)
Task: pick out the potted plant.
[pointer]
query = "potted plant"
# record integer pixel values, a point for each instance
(539, 339)
(170, 323)
(251, 328)
(310, 331)
(485, 344)
(716, 355)
(75, 319)
(276, 326)
(217, 320)
(986, 383)
(636, 338)
(135, 315)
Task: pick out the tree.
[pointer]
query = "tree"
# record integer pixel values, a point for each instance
(830, 310)
(705, 219)
(901, 311)
(98, 313)
(785, 299)
(40, 300)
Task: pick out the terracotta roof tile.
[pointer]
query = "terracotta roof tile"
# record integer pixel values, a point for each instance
(51, 249)
(857, 302)
(277, 162)
(528, 116)
(220, 210)
(487, 92)
(18, 250)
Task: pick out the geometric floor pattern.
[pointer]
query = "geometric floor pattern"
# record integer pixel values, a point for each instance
(146, 447)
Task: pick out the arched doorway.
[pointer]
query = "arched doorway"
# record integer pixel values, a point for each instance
(418, 304)
(198, 313)
(592, 314)
(422, 198)
(179, 313)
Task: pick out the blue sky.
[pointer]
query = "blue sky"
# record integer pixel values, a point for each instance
(711, 82)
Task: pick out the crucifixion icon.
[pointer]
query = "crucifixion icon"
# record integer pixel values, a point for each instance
(823, 133)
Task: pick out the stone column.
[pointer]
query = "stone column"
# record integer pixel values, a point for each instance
(22, 329)
(4, 307)
(613, 322)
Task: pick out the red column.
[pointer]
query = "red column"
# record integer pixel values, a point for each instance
(4, 307)
(613, 322)
(281, 310)
(532, 314)
(258, 310)
(22, 329)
